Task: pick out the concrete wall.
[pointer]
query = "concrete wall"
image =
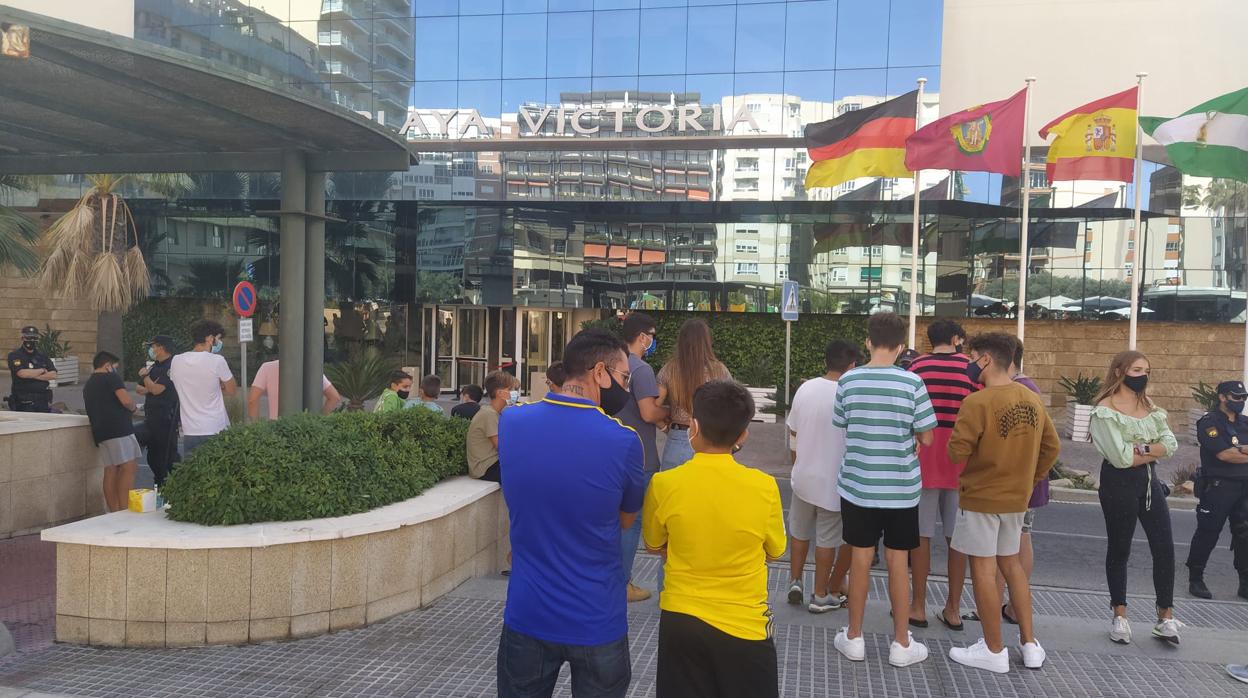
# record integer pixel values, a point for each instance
(167, 597)
(1082, 50)
(48, 472)
(1181, 355)
(116, 16)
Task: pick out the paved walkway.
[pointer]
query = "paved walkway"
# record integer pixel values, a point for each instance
(449, 650)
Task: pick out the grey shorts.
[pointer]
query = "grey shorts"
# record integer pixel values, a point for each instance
(1028, 519)
(118, 451)
(807, 522)
(988, 535)
(936, 505)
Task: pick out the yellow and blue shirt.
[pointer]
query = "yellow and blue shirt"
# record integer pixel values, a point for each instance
(720, 522)
(569, 472)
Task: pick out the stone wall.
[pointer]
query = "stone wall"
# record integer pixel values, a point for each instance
(48, 472)
(124, 592)
(24, 304)
(1182, 355)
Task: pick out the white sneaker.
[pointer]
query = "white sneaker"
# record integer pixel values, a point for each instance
(1121, 631)
(855, 650)
(1033, 654)
(1167, 630)
(796, 594)
(1238, 671)
(900, 656)
(979, 656)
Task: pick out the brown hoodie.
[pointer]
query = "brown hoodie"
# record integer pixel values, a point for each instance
(1009, 444)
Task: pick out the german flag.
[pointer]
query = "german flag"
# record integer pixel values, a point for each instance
(868, 142)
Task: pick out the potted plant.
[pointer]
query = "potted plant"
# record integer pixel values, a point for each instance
(1081, 391)
(51, 346)
(360, 379)
(1207, 397)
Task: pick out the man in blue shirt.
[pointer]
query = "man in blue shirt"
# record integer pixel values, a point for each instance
(574, 480)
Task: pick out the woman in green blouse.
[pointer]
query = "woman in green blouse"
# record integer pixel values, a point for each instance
(1132, 433)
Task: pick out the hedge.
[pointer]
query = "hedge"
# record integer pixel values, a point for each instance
(311, 466)
(751, 345)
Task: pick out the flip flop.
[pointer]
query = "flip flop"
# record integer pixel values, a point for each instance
(913, 623)
(1006, 617)
(972, 616)
(945, 622)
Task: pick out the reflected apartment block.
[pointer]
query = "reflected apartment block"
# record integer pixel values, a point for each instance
(367, 56)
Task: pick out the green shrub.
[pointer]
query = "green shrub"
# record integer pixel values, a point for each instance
(50, 344)
(308, 466)
(1083, 389)
(1206, 396)
(168, 316)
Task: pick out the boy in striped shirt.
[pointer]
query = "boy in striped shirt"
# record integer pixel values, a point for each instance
(944, 375)
(884, 410)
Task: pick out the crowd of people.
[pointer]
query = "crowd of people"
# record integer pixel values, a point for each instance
(887, 446)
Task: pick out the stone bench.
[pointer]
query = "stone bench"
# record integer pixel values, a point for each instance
(142, 580)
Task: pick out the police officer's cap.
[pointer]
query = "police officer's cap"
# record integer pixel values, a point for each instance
(1231, 388)
(163, 340)
(30, 331)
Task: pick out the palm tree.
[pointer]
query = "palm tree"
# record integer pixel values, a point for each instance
(18, 234)
(210, 277)
(1226, 194)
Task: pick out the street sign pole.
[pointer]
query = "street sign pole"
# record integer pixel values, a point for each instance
(244, 298)
(788, 312)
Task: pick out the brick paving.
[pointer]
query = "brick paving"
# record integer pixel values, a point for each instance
(28, 590)
(449, 650)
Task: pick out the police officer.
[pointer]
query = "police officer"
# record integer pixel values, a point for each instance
(1222, 487)
(160, 408)
(32, 373)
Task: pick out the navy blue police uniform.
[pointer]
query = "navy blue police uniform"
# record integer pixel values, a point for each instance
(160, 415)
(1223, 491)
(29, 394)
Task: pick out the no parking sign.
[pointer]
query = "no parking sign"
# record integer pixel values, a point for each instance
(245, 299)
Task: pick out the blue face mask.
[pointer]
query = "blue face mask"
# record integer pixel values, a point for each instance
(151, 353)
(654, 345)
(973, 371)
(216, 346)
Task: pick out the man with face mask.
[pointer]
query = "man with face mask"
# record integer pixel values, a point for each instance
(32, 374)
(1222, 487)
(203, 381)
(160, 409)
(572, 478)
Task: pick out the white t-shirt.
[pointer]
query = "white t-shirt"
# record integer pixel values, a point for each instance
(267, 381)
(820, 446)
(197, 376)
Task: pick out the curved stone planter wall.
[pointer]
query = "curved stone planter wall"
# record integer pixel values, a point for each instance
(141, 580)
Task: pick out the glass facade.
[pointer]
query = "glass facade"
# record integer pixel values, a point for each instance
(592, 154)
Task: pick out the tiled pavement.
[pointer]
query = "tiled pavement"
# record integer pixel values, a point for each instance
(27, 600)
(449, 650)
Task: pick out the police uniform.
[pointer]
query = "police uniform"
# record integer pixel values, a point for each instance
(29, 394)
(1223, 491)
(160, 416)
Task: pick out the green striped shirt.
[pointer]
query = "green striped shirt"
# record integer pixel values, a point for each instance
(881, 409)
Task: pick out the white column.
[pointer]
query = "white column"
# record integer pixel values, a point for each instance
(1024, 190)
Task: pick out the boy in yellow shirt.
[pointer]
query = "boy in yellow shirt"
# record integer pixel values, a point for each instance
(718, 522)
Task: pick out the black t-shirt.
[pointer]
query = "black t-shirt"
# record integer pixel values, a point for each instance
(20, 359)
(109, 418)
(467, 410)
(163, 404)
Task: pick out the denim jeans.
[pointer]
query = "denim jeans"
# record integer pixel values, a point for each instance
(529, 668)
(630, 538)
(190, 443)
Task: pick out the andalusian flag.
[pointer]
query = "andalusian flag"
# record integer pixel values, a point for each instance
(869, 142)
(1208, 140)
(1095, 141)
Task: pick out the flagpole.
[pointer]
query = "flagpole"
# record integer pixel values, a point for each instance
(1136, 175)
(914, 232)
(1025, 192)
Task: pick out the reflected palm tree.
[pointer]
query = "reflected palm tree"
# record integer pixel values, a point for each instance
(18, 234)
(210, 277)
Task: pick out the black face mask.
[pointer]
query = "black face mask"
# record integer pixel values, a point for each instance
(615, 398)
(28, 345)
(1136, 383)
(403, 394)
(1236, 406)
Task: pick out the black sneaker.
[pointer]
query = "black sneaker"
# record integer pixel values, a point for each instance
(796, 593)
(1196, 587)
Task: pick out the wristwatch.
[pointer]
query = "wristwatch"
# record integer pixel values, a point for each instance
(1147, 450)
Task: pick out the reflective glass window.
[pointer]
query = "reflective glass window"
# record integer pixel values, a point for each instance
(760, 29)
(663, 3)
(810, 38)
(434, 95)
(870, 83)
(914, 32)
(615, 42)
(710, 45)
(480, 47)
(524, 46)
(524, 5)
(570, 5)
(860, 24)
(480, 7)
(482, 95)
(902, 80)
(662, 46)
(615, 4)
(516, 93)
(426, 8)
(569, 48)
(437, 48)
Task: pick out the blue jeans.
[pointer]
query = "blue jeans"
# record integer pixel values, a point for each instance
(529, 668)
(190, 443)
(677, 451)
(630, 538)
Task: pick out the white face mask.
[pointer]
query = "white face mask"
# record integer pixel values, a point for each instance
(513, 397)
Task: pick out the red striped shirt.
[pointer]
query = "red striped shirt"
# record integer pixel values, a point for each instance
(947, 384)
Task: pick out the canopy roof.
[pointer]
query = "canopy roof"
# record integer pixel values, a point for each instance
(89, 101)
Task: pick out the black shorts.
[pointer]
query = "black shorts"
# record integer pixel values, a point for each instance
(698, 659)
(864, 526)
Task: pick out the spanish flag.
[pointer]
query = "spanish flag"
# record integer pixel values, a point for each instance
(1095, 141)
(868, 142)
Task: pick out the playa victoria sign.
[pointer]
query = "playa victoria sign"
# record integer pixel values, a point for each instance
(574, 121)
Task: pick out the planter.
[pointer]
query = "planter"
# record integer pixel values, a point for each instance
(66, 370)
(1080, 417)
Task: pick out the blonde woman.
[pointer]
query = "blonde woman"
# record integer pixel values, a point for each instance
(1132, 433)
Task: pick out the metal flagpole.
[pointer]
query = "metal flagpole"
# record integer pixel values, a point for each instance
(914, 233)
(1024, 190)
(1136, 271)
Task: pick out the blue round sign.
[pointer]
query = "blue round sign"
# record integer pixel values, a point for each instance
(245, 299)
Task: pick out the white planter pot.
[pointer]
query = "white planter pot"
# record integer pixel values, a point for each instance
(1193, 416)
(1080, 417)
(66, 370)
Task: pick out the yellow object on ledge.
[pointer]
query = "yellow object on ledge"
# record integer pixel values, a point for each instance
(142, 501)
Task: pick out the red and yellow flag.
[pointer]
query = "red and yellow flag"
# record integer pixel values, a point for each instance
(868, 142)
(1095, 141)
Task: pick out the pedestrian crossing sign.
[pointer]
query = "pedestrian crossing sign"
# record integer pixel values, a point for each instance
(788, 301)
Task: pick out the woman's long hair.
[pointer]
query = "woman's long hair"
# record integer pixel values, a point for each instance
(1118, 367)
(691, 363)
